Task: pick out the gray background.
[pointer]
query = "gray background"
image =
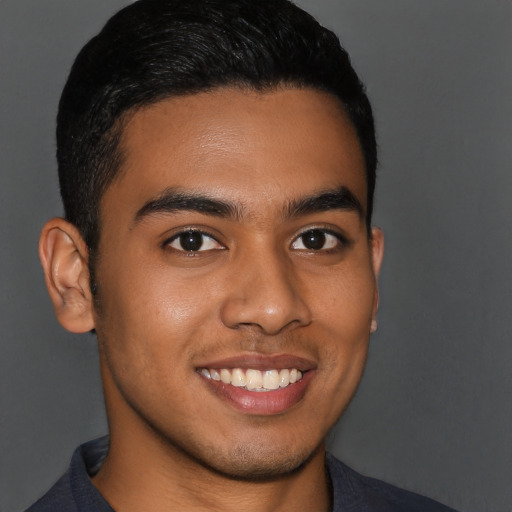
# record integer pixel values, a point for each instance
(434, 411)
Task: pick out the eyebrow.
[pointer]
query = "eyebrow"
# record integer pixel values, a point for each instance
(174, 200)
(339, 199)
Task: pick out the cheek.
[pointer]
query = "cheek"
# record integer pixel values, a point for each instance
(346, 301)
(344, 315)
(154, 316)
(146, 326)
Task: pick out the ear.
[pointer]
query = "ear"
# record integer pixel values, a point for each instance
(377, 254)
(65, 257)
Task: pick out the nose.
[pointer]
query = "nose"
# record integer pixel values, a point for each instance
(265, 293)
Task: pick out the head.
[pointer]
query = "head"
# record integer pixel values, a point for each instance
(217, 166)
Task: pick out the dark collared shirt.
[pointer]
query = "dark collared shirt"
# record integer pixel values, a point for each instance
(352, 492)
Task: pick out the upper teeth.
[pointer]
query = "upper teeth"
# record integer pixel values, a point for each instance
(254, 379)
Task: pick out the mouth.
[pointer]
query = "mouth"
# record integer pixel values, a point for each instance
(259, 385)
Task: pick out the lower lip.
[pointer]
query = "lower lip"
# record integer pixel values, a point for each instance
(261, 402)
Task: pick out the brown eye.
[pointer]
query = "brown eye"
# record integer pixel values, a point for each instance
(193, 241)
(316, 240)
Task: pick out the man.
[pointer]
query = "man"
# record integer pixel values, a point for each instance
(217, 167)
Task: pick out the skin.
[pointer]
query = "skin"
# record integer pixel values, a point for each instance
(163, 313)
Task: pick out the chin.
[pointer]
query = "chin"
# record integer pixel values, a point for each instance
(255, 464)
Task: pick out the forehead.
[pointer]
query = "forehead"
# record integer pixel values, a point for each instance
(254, 147)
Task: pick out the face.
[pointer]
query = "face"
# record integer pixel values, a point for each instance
(236, 277)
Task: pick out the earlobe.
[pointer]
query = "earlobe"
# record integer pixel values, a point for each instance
(64, 256)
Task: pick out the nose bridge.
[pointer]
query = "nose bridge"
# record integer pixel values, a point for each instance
(265, 293)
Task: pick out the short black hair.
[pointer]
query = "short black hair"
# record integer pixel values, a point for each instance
(154, 49)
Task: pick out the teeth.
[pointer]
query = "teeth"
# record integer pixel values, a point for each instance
(238, 378)
(284, 378)
(254, 380)
(271, 379)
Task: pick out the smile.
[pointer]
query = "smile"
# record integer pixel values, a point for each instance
(253, 379)
(258, 384)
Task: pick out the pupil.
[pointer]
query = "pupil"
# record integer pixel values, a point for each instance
(191, 241)
(314, 239)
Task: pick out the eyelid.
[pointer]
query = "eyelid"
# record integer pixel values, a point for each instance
(169, 240)
(343, 240)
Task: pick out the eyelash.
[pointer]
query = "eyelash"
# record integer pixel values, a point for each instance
(341, 241)
(202, 233)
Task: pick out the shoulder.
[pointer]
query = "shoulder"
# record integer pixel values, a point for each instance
(59, 497)
(353, 491)
(75, 492)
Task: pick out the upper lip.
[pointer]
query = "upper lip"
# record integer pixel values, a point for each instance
(261, 362)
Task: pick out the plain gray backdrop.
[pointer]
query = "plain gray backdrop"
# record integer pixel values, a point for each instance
(434, 411)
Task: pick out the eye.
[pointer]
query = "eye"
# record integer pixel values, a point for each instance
(317, 240)
(193, 241)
